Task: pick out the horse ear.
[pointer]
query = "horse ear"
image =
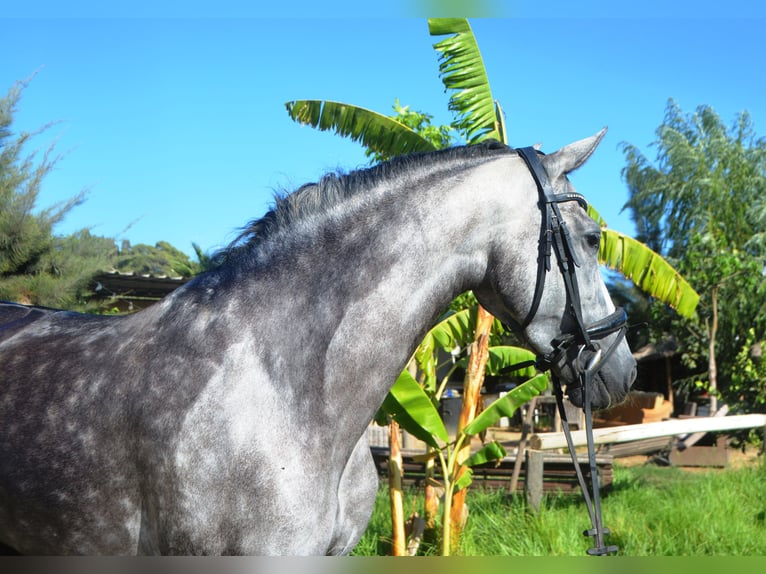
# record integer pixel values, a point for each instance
(572, 156)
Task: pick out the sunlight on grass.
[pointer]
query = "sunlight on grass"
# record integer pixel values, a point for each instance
(651, 511)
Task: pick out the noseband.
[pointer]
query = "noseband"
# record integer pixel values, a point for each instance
(571, 347)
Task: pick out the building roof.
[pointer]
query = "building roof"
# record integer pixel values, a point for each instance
(130, 285)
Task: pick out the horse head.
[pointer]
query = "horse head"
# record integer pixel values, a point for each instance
(566, 314)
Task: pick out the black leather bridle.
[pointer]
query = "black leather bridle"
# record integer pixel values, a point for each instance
(571, 347)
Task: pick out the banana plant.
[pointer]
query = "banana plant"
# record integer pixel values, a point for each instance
(478, 117)
(413, 410)
(462, 71)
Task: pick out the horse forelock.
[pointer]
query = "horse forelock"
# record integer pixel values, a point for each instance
(313, 199)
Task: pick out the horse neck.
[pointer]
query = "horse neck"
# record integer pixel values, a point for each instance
(349, 299)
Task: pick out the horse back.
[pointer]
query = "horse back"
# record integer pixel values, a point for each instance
(60, 454)
(15, 317)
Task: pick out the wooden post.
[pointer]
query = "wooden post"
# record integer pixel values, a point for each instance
(526, 428)
(533, 485)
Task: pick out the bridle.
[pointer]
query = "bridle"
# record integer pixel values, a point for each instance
(555, 237)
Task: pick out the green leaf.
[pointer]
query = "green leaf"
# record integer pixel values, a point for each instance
(648, 271)
(409, 405)
(596, 216)
(500, 117)
(462, 71)
(455, 328)
(373, 130)
(465, 479)
(501, 357)
(506, 405)
(489, 452)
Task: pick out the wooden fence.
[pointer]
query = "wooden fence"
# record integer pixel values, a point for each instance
(541, 442)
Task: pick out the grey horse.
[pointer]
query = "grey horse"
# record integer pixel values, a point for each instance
(230, 417)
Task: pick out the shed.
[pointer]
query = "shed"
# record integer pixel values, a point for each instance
(129, 292)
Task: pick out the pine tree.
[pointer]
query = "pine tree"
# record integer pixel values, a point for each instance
(28, 247)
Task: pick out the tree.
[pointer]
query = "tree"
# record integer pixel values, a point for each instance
(701, 205)
(159, 259)
(62, 276)
(27, 244)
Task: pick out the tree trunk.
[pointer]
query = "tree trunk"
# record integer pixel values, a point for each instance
(474, 379)
(398, 536)
(712, 369)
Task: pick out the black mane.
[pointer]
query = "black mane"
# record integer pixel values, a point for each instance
(333, 188)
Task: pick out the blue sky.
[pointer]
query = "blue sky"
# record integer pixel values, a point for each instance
(173, 118)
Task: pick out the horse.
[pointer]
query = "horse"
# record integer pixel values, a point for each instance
(230, 417)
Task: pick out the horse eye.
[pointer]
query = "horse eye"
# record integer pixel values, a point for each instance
(594, 240)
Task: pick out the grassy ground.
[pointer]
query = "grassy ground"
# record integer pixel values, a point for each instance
(651, 511)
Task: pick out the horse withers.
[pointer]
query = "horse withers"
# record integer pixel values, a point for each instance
(230, 417)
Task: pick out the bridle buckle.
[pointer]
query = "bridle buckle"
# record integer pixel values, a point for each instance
(594, 362)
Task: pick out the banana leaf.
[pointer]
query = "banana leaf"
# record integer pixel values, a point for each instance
(455, 328)
(374, 131)
(501, 357)
(648, 270)
(409, 406)
(490, 451)
(506, 405)
(462, 71)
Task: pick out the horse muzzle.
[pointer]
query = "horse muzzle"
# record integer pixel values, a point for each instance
(599, 357)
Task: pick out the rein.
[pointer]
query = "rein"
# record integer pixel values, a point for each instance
(555, 236)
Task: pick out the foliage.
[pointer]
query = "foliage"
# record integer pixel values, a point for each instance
(24, 236)
(648, 271)
(410, 406)
(205, 261)
(61, 277)
(708, 180)
(378, 133)
(32, 267)
(419, 122)
(462, 71)
(161, 259)
(748, 379)
(701, 205)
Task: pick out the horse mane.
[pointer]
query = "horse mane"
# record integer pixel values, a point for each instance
(333, 188)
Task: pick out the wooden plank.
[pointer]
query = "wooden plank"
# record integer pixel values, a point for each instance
(627, 433)
(716, 455)
(692, 439)
(636, 447)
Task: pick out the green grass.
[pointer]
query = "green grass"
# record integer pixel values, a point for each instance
(651, 511)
